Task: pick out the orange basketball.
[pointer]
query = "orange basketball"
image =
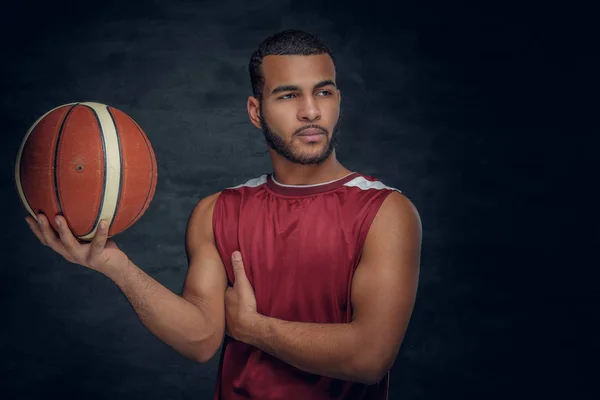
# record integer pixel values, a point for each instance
(87, 162)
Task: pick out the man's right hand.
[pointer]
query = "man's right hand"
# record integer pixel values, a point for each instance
(193, 323)
(101, 254)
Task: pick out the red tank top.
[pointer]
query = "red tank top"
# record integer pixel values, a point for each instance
(300, 246)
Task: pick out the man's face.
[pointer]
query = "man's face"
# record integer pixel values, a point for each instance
(300, 107)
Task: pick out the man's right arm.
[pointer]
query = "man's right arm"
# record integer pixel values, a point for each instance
(194, 323)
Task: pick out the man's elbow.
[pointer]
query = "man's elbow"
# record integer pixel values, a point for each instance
(203, 357)
(373, 369)
(374, 374)
(205, 349)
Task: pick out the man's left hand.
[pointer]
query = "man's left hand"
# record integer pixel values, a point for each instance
(240, 302)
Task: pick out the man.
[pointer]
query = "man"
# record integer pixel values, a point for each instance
(311, 271)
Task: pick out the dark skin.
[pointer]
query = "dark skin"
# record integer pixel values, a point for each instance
(384, 285)
(299, 91)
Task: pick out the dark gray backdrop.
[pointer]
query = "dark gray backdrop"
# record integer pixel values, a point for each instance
(460, 106)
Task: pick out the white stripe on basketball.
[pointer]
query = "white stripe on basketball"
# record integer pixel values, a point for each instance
(364, 184)
(18, 161)
(112, 167)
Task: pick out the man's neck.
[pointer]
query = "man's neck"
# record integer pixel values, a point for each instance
(288, 173)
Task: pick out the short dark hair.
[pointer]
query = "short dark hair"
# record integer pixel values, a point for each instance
(288, 42)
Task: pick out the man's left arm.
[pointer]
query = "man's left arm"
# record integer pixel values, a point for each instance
(383, 293)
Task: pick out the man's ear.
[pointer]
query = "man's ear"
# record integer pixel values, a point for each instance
(254, 111)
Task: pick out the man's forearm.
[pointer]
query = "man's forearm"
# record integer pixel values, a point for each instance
(174, 320)
(333, 350)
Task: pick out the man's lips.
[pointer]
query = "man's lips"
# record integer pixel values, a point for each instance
(311, 132)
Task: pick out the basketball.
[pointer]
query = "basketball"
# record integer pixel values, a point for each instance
(87, 162)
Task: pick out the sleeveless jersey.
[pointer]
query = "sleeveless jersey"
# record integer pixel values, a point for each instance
(300, 246)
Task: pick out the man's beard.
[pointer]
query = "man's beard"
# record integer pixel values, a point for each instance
(286, 150)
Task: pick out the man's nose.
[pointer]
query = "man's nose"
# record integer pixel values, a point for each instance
(309, 111)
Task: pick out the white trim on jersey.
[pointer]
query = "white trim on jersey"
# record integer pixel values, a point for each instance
(305, 186)
(359, 182)
(252, 182)
(364, 184)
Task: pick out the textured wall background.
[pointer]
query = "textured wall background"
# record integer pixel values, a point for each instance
(456, 105)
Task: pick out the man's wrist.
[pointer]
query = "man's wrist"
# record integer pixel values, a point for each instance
(120, 275)
(258, 331)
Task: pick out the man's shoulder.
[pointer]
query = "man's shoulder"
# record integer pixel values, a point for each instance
(368, 183)
(204, 207)
(385, 199)
(230, 192)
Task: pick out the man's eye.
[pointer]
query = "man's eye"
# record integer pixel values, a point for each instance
(324, 93)
(287, 96)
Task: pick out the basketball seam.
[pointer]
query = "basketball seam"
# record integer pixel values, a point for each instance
(19, 160)
(56, 152)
